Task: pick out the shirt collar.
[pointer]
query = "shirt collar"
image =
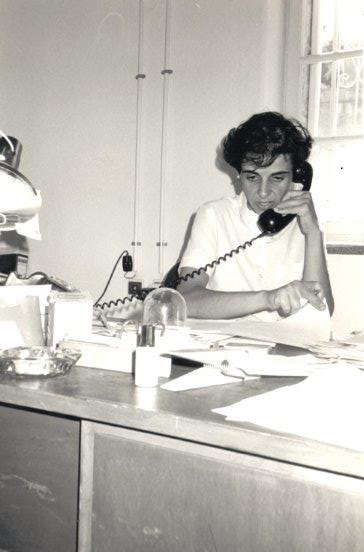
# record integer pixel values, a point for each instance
(248, 216)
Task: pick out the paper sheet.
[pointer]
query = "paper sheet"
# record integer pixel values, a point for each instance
(14, 295)
(10, 335)
(327, 407)
(305, 327)
(26, 321)
(201, 377)
(10, 295)
(257, 362)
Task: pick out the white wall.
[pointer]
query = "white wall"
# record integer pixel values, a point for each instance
(68, 93)
(347, 277)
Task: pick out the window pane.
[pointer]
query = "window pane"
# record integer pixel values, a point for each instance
(340, 25)
(325, 111)
(326, 25)
(351, 24)
(350, 97)
(337, 97)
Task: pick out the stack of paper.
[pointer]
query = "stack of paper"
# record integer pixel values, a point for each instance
(257, 361)
(326, 407)
(306, 327)
(215, 339)
(350, 349)
(101, 352)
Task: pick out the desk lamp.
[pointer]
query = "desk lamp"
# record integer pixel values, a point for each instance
(19, 200)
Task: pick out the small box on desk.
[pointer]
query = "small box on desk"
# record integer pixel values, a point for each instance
(102, 354)
(69, 316)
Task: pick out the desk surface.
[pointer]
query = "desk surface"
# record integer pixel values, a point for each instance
(111, 397)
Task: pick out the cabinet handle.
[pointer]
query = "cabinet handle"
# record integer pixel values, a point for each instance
(140, 76)
(167, 71)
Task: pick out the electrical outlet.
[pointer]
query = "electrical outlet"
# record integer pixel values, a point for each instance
(135, 287)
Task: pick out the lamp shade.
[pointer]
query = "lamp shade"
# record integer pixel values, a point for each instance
(19, 200)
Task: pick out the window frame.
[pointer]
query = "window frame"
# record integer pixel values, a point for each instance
(302, 93)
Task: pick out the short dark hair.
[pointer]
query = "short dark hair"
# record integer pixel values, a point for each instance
(263, 137)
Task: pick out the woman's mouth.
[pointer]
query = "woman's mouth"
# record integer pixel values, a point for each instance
(265, 205)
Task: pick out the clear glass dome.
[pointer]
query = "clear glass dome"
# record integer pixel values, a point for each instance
(166, 306)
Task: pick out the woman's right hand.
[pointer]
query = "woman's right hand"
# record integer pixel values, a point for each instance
(290, 298)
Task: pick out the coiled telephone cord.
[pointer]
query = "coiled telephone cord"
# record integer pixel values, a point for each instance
(190, 275)
(219, 260)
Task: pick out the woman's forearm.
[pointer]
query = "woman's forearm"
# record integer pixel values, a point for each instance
(207, 303)
(315, 267)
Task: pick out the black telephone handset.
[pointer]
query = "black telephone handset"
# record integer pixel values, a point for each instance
(272, 222)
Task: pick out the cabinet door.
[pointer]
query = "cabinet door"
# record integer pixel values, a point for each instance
(38, 481)
(143, 492)
(218, 55)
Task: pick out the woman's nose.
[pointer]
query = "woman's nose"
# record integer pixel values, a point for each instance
(264, 188)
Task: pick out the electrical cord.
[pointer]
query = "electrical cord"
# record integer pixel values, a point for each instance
(96, 304)
(190, 275)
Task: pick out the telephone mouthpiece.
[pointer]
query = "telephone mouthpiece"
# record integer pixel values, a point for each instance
(271, 222)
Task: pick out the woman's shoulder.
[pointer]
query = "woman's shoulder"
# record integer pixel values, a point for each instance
(220, 205)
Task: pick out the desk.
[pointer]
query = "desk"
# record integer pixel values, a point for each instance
(148, 469)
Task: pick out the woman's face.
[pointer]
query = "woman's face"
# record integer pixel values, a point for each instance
(264, 187)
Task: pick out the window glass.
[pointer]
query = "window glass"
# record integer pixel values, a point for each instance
(341, 24)
(326, 26)
(350, 97)
(351, 24)
(341, 98)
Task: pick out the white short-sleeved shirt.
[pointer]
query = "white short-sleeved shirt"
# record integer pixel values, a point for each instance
(271, 261)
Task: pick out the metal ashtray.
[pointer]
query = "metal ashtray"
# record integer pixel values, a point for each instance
(37, 362)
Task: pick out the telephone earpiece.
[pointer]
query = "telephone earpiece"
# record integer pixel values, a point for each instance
(303, 174)
(271, 222)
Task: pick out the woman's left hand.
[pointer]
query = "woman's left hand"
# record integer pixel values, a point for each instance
(301, 204)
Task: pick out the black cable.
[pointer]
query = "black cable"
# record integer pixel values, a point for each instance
(125, 252)
(219, 260)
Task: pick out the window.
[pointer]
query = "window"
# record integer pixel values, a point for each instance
(324, 89)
